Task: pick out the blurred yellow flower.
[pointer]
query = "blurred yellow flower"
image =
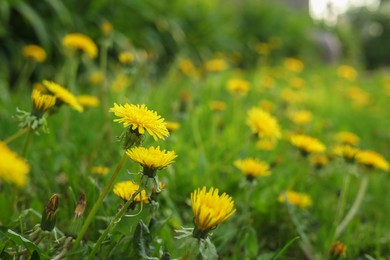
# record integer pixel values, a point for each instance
(34, 52)
(263, 48)
(125, 189)
(96, 78)
(358, 96)
(339, 249)
(88, 101)
(347, 72)
(291, 97)
(263, 124)
(13, 168)
(302, 117)
(63, 95)
(295, 198)
(319, 160)
(253, 167)
(81, 42)
(345, 137)
(100, 170)
(42, 102)
(187, 67)
(267, 105)
(210, 209)
(266, 144)
(121, 82)
(106, 27)
(372, 159)
(238, 87)
(297, 83)
(172, 126)
(216, 65)
(126, 57)
(293, 64)
(345, 151)
(217, 105)
(307, 144)
(151, 158)
(140, 118)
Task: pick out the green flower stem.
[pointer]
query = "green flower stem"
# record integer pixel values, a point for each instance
(97, 204)
(104, 91)
(113, 223)
(16, 135)
(73, 73)
(25, 74)
(26, 143)
(355, 207)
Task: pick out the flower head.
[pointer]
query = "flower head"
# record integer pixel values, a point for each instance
(347, 72)
(347, 152)
(339, 249)
(347, 138)
(34, 52)
(307, 144)
(266, 144)
(238, 87)
(88, 101)
(295, 198)
(372, 159)
(12, 167)
(125, 189)
(253, 167)
(96, 78)
(217, 105)
(293, 64)
(188, 68)
(263, 124)
(126, 57)
(216, 65)
(63, 95)
(302, 117)
(42, 102)
(210, 209)
(172, 126)
(100, 170)
(319, 160)
(78, 41)
(139, 118)
(151, 158)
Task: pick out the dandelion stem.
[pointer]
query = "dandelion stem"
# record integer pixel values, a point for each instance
(26, 143)
(97, 204)
(113, 222)
(16, 135)
(355, 207)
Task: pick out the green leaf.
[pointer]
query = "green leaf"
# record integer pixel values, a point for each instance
(284, 249)
(61, 10)
(35, 256)
(22, 241)
(207, 249)
(142, 239)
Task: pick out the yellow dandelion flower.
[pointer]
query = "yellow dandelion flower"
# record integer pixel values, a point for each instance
(263, 48)
(372, 159)
(319, 160)
(267, 105)
(34, 52)
(106, 27)
(13, 168)
(217, 105)
(42, 102)
(293, 64)
(78, 41)
(125, 189)
(88, 101)
(266, 144)
(347, 72)
(297, 83)
(295, 198)
(268, 82)
(216, 65)
(96, 78)
(253, 167)
(291, 97)
(139, 118)
(339, 249)
(151, 158)
(210, 209)
(358, 96)
(307, 144)
(263, 124)
(238, 87)
(188, 68)
(345, 151)
(126, 57)
(40, 87)
(302, 117)
(63, 94)
(344, 137)
(120, 83)
(172, 126)
(100, 170)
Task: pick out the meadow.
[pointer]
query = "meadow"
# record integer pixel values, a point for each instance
(299, 149)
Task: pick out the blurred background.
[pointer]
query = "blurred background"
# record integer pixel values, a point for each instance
(356, 32)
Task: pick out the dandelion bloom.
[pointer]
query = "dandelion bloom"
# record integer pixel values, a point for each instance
(187, 67)
(293, 64)
(125, 189)
(217, 105)
(88, 100)
(319, 160)
(100, 170)
(172, 126)
(267, 105)
(302, 117)
(347, 138)
(339, 249)
(139, 118)
(63, 94)
(210, 209)
(372, 159)
(126, 57)
(238, 87)
(347, 72)
(96, 78)
(34, 52)
(42, 102)
(253, 167)
(297, 82)
(13, 168)
(358, 96)
(291, 96)
(295, 198)
(263, 124)
(216, 65)
(106, 27)
(78, 41)
(151, 158)
(265, 144)
(307, 144)
(347, 152)
(120, 82)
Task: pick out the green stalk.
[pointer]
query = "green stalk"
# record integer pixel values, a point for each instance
(26, 143)
(97, 204)
(104, 91)
(16, 135)
(113, 223)
(355, 207)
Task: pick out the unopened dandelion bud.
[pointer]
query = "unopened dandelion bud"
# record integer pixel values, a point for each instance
(338, 250)
(80, 207)
(49, 214)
